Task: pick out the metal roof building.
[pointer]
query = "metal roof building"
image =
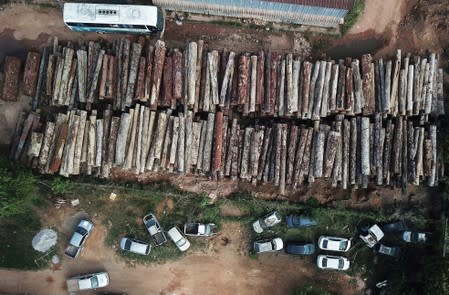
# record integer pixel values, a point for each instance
(322, 13)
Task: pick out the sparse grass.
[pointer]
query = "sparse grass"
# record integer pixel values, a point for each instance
(353, 15)
(228, 23)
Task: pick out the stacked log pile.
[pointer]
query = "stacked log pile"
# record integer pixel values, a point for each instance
(145, 107)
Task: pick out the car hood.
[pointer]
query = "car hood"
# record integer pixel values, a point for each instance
(76, 239)
(257, 226)
(103, 279)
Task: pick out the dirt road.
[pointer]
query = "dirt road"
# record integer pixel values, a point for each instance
(221, 269)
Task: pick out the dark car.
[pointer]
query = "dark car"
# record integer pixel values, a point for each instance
(300, 249)
(389, 250)
(299, 221)
(414, 237)
(394, 227)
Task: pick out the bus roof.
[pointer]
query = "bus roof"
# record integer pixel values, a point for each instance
(110, 14)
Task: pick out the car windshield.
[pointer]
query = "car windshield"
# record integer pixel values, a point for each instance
(94, 282)
(324, 262)
(325, 243)
(341, 263)
(128, 244)
(343, 245)
(81, 231)
(181, 242)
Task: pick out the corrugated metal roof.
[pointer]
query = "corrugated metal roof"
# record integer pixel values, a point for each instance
(340, 4)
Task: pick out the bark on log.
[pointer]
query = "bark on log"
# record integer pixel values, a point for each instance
(264, 153)
(349, 102)
(148, 138)
(368, 85)
(365, 146)
(149, 72)
(397, 147)
(433, 173)
(358, 87)
(430, 90)
(280, 101)
(49, 136)
(379, 170)
(345, 153)
(233, 141)
(57, 147)
(353, 152)
(11, 78)
(326, 89)
(68, 58)
(157, 145)
(411, 152)
(213, 72)
(199, 62)
(165, 156)
(319, 154)
(292, 101)
(82, 75)
(227, 80)
(252, 94)
(159, 59)
(31, 73)
(188, 140)
(260, 88)
(387, 150)
(341, 90)
(174, 144)
(207, 156)
(312, 90)
(306, 77)
(245, 165)
(104, 76)
(93, 83)
(277, 153)
(35, 144)
(177, 75)
(386, 103)
(125, 122)
(196, 136)
(218, 139)
(282, 172)
(243, 79)
(49, 74)
(140, 86)
(331, 152)
(99, 143)
(267, 82)
(115, 122)
(427, 162)
(57, 80)
(337, 169)
(79, 143)
(410, 88)
(256, 149)
(332, 106)
(167, 92)
(291, 153)
(192, 55)
(136, 52)
(199, 164)
(296, 107)
(299, 155)
(395, 84)
(318, 96)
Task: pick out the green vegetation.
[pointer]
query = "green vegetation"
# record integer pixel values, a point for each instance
(310, 290)
(19, 197)
(353, 15)
(236, 24)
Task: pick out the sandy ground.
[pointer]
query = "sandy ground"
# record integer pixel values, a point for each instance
(222, 269)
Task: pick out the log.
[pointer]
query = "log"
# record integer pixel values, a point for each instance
(319, 154)
(318, 96)
(402, 92)
(157, 145)
(167, 83)
(93, 83)
(397, 147)
(395, 84)
(81, 74)
(136, 52)
(149, 72)
(124, 64)
(113, 133)
(49, 74)
(22, 136)
(159, 60)
(177, 75)
(196, 136)
(253, 84)
(125, 122)
(430, 95)
(131, 138)
(292, 102)
(346, 142)
(181, 144)
(387, 150)
(165, 156)
(313, 152)
(349, 102)
(417, 84)
(267, 82)
(36, 144)
(260, 87)
(386, 102)
(427, 161)
(136, 162)
(174, 144)
(79, 143)
(91, 142)
(243, 75)
(411, 152)
(140, 86)
(199, 62)
(67, 66)
(207, 156)
(280, 101)
(264, 153)
(337, 169)
(199, 164)
(57, 80)
(192, 55)
(379, 170)
(306, 78)
(148, 138)
(277, 142)
(341, 89)
(69, 148)
(31, 73)
(256, 149)
(326, 89)
(111, 87)
(410, 89)
(299, 155)
(227, 80)
(332, 105)
(245, 165)
(433, 172)
(330, 153)
(296, 107)
(282, 172)
(268, 167)
(274, 59)
(49, 136)
(206, 103)
(358, 87)
(312, 91)
(213, 72)
(57, 147)
(233, 140)
(365, 146)
(104, 76)
(11, 78)
(188, 140)
(218, 146)
(419, 154)
(291, 153)
(353, 152)
(368, 85)
(71, 85)
(99, 143)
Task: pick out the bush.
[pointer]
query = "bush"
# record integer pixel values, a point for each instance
(352, 17)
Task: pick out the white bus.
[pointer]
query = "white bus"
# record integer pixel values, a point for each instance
(113, 18)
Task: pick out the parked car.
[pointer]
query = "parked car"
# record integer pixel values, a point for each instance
(135, 246)
(155, 229)
(389, 250)
(299, 221)
(300, 249)
(374, 235)
(414, 237)
(78, 239)
(178, 238)
(267, 221)
(334, 244)
(332, 262)
(397, 226)
(88, 282)
(268, 245)
(200, 229)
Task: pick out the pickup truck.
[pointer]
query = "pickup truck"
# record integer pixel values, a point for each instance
(374, 235)
(78, 239)
(155, 229)
(88, 282)
(200, 229)
(267, 221)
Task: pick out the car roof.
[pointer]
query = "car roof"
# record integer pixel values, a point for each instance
(175, 233)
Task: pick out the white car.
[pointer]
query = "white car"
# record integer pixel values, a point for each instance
(88, 282)
(332, 262)
(178, 238)
(275, 244)
(334, 244)
(135, 246)
(267, 221)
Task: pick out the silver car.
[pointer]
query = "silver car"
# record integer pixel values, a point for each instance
(334, 244)
(135, 246)
(332, 262)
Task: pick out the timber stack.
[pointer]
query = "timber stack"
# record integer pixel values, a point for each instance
(258, 117)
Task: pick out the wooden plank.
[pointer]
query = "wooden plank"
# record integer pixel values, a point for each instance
(11, 70)
(49, 136)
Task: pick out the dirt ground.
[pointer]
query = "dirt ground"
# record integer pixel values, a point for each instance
(223, 267)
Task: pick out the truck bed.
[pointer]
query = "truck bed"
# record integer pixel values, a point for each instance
(72, 285)
(71, 251)
(191, 228)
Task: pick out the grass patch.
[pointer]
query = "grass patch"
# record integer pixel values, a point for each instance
(16, 250)
(235, 24)
(353, 15)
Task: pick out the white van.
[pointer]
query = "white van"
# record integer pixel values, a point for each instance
(135, 246)
(178, 238)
